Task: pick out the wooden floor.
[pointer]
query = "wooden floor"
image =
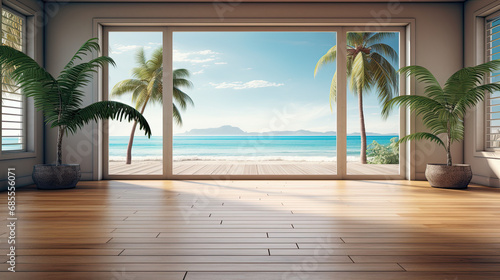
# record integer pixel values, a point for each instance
(249, 168)
(215, 230)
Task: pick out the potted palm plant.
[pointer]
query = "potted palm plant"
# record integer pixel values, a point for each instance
(443, 111)
(60, 100)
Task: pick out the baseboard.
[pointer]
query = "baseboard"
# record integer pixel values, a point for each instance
(21, 181)
(87, 176)
(420, 176)
(486, 181)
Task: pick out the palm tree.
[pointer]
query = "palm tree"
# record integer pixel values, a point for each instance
(443, 108)
(147, 87)
(61, 98)
(368, 65)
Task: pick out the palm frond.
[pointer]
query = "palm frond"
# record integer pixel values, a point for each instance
(156, 60)
(465, 80)
(457, 132)
(181, 73)
(377, 37)
(329, 57)
(385, 51)
(35, 81)
(104, 110)
(433, 89)
(333, 90)
(86, 49)
(72, 79)
(148, 85)
(177, 115)
(416, 103)
(384, 77)
(126, 86)
(142, 99)
(475, 95)
(360, 77)
(419, 136)
(355, 39)
(434, 121)
(140, 58)
(182, 98)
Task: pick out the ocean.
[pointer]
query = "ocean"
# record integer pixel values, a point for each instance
(301, 148)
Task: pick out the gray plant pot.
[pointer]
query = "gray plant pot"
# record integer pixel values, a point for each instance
(52, 177)
(457, 176)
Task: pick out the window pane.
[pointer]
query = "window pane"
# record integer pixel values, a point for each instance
(136, 80)
(374, 56)
(493, 99)
(258, 109)
(13, 104)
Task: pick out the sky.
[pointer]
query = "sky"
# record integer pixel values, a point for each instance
(257, 81)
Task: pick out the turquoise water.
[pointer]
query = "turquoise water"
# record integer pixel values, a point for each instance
(10, 141)
(311, 148)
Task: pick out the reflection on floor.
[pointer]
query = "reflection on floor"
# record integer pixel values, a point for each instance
(250, 168)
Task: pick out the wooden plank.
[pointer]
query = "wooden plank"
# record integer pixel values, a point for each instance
(430, 239)
(121, 273)
(340, 275)
(427, 259)
(179, 259)
(480, 267)
(170, 245)
(205, 267)
(68, 252)
(30, 235)
(380, 252)
(195, 252)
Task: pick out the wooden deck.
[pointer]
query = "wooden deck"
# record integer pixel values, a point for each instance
(249, 168)
(265, 230)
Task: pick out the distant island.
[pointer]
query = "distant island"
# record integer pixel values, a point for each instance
(228, 130)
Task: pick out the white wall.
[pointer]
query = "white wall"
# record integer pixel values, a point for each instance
(438, 41)
(485, 166)
(23, 164)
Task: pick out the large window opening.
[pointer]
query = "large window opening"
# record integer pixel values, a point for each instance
(242, 103)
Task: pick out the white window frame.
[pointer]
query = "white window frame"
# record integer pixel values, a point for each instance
(407, 124)
(30, 38)
(486, 114)
(24, 102)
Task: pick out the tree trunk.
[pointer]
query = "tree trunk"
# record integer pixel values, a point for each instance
(362, 128)
(131, 140)
(60, 134)
(448, 151)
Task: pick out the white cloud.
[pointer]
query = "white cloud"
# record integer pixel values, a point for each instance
(242, 85)
(196, 57)
(220, 63)
(199, 72)
(119, 48)
(206, 52)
